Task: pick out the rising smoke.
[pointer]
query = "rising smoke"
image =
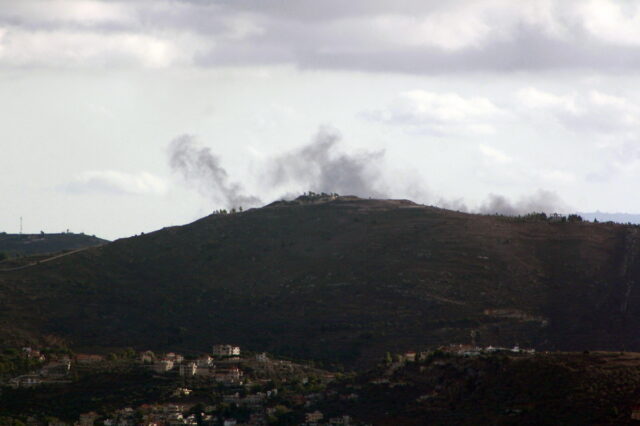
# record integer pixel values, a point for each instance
(199, 166)
(321, 166)
(540, 201)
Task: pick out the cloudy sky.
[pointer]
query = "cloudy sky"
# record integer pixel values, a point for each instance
(123, 117)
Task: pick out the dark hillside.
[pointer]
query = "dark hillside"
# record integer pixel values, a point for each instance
(343, 280)
(496, 389)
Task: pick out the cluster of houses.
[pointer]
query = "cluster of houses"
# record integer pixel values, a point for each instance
(463, 350)
(222, 367)
(54, 369)
(316, 418)
(158, 414)
(470, 350)
(174, 415)
(166, 414)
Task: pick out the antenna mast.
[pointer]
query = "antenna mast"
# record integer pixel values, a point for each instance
(21, 225)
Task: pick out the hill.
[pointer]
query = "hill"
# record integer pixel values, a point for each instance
(495, 389)
(12, 245)
(339, 279)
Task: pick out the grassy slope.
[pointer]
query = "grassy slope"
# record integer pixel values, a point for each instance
(345, 280)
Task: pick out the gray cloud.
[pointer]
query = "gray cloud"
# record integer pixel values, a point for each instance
(407, 36)
(199, 167)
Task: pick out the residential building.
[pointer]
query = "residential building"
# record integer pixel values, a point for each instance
(340, 421)
(147, 357)
(226, 350)
(204, 361)
(410, 356)
(25, 381)
(188, 370)
(230, 375)
(56, 369)
(163, 366)
(314, 417)
(177, 358)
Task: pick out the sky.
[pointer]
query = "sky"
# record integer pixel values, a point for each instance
(122, 117)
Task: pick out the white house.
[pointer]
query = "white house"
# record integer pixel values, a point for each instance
(204, 361)
(163, 366)
(226, 350)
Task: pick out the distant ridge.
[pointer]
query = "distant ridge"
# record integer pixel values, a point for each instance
(12, 245)
(612, 217)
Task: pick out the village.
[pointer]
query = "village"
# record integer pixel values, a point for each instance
(249, 390)
(228, 386)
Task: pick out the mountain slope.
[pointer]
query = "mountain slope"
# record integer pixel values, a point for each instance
(343, 280)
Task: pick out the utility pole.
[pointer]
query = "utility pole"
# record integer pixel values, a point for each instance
(20, 225)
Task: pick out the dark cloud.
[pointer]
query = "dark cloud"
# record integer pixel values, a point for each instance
(324, 41)
(202, 169)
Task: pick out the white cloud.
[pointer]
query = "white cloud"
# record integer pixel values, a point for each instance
(439, 112)
(82, 48)
(494, 155)
(616, 22)
(116, 182)
(593, 112)
(538, 99)
(556, 176)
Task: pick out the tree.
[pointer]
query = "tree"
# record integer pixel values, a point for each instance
(574, 218)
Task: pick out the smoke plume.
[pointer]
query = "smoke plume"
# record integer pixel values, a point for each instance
(321, 167)
(199, 166)
(539, 202)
